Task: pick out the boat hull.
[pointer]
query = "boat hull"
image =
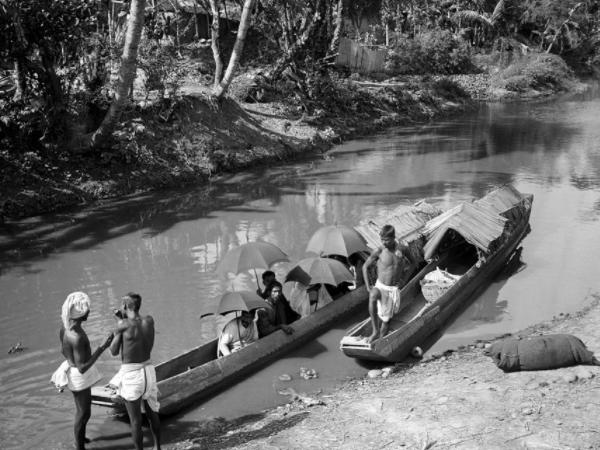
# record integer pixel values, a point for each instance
(196, 374)
(398, 344)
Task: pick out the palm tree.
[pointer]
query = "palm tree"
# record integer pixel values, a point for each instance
(493, 22)
(564, 29)
(127, 72)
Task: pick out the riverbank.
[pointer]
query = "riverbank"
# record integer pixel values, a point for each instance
(191, 141)
(456, 400)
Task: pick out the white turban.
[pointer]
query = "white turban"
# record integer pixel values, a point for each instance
(75, 306)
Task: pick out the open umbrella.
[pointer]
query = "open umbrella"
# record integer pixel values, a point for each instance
(238, 301)
(319, 270)
(336, 240)
(252, 255)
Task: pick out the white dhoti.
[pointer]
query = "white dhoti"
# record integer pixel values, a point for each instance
(135, 380)
(71, 377)
(389, 302)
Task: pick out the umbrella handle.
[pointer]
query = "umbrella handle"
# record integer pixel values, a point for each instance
(256, 275)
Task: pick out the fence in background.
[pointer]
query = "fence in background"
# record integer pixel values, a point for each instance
(359, 58)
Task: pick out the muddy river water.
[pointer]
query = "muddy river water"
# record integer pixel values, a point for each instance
(166, 246)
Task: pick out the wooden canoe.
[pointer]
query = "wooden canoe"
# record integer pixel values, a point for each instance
(197, 374)
(419, 319)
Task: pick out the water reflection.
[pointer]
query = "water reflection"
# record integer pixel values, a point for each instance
(166, 246)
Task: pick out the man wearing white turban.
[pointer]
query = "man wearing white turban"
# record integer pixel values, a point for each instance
(78, 372)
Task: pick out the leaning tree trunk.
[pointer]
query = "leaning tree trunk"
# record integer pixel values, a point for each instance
(563, 25)
(237, 49)
(127, 71)
(214, 43)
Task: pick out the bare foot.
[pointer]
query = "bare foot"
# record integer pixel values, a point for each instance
(374, 336)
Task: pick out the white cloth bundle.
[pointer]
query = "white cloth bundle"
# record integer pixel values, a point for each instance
(71, 377)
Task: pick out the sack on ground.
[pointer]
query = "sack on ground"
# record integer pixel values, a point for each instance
(540, 352)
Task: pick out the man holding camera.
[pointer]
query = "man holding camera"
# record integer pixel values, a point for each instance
(136, 380)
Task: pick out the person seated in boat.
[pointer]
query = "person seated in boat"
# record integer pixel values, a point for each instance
(269, 280)
(237, 334)
(283, 312)
(356, 265)
(384, 297)
(266, 323)
(307, 299)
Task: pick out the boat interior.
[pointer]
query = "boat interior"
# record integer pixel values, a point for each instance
(188, 360)
(454, 255)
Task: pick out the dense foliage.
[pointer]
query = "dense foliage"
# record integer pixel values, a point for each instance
(44, 42)
(60, 58)
(433, 52)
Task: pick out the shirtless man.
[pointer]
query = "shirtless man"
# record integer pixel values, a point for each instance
(384, 297)
(136, 380)
(79, 372)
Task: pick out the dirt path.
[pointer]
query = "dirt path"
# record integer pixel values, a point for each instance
(458, 401)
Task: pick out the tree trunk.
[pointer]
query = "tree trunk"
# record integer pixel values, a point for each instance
(282, 63)
(237, 49)
(214, 43)
(127, 71)
(339, 22)
(52, 86)
(20, 79)
(20, 74)
(196, 26)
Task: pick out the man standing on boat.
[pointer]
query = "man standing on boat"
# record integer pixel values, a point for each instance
(384, 297)
(136, 380)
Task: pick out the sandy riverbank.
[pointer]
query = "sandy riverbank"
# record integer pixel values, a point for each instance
(459, 400)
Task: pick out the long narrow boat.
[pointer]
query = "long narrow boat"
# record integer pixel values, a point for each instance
(197, 374)
(472, 241)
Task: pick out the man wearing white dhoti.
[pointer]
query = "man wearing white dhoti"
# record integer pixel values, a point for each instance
(384, 297)
(136, 380)
(78, 372)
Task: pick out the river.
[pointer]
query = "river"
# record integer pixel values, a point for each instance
(166, 246)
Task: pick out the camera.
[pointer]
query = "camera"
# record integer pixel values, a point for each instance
(118, 313)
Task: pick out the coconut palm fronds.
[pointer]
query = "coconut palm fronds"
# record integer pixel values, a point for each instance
(499, 12)
(469, 16)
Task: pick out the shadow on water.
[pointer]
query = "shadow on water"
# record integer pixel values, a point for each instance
(491, 134)
(34, 239)
(22, 243)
